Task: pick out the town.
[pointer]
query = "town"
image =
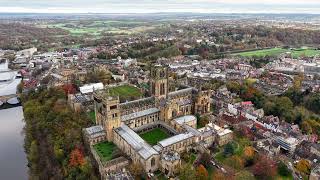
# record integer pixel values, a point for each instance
(165, 104)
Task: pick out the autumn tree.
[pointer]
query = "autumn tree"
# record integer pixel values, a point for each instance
(244, 175)
(304, 166)
(136, 170)
(202, 173)
(236, 162)
(187, 172)
(205, 159)
(218, 175)
(264, 167)
(69, 89)
(76, 158)
(248, 152)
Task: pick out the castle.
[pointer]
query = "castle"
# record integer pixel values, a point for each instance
(121, 123)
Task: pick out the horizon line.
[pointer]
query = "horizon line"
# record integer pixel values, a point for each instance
(130, 13)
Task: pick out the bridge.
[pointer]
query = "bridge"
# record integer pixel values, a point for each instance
(7, 97)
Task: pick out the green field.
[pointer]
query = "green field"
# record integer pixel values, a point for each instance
(104, 150)
(154, 136)
(126, 92)
(295, 53)
(95, 28)
(92, 116)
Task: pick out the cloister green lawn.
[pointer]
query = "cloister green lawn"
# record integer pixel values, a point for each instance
(154, 136)
(126, 92)
(296, 53)
(92, 116)
(104, 150)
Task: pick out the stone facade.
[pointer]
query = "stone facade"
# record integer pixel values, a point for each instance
(169, 110)
(170, 163)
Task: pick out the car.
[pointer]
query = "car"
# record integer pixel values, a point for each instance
(223, 170)
(213, 163)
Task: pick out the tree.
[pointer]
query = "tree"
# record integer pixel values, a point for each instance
(205, 159)
(306, 127)
(187, 172)
(248, 152)
(244, 175)
(283, 169)
(236, 162)
(203, 121)
(20, 87)
(218, 175)
(33, 156)
(304, 166)
(284, 104)
(202, 173)
(69, 89)
(313, 102)
(136, 169)
(99, 76)
(46, 112)
(228, 149)
(76, 158)
(264, 167)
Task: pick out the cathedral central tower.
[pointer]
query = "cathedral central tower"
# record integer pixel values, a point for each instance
(159, 81)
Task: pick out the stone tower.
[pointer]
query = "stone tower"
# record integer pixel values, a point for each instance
(107, 112)
(159, 81)
(202, 102)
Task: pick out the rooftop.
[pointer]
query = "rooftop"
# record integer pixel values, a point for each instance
(170, 156)
(175, 139)
(185, 119)
(95, 131)
(139, 114)
(136, 142)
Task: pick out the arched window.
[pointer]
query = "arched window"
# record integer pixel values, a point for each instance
(153, 162)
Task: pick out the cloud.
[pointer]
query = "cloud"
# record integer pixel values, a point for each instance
(149, 6)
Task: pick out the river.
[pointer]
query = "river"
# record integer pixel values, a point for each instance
(13, 161)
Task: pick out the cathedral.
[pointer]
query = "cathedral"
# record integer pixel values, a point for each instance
(171, 111)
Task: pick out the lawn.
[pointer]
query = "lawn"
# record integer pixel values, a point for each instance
(96, 28)
(154, 136)
(296, 53)
(105, 150)
(92, 116)
(262, 53)
(126, 92)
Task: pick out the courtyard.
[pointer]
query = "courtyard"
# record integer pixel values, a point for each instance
(154, 136)
(105, 150)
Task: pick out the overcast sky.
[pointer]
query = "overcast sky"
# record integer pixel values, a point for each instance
(151, 6)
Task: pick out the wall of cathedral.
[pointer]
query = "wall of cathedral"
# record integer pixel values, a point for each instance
(149, 165)
(181, 146)
(202, 102)
(140, 121)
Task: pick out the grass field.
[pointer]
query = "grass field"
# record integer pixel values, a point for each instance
(105, 150)
(92, 116)
(296, 53)
(154, 136)
(126, 92)
(95, 28)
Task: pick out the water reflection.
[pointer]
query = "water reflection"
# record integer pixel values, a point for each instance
(13, 163)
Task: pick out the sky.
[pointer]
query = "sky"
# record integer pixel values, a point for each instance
(154, 6)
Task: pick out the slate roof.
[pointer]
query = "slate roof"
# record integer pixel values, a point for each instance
(139, 114)
(136, 142)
